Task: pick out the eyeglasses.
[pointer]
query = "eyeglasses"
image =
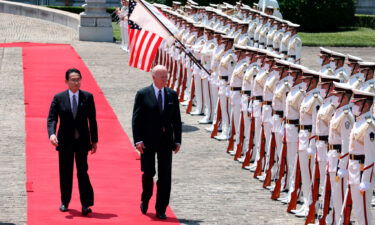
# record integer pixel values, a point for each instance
(75, 80)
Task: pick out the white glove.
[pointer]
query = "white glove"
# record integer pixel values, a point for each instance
(364, 186)
(342, 173)
(311, 151)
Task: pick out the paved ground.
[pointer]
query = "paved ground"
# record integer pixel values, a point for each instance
(208, 186)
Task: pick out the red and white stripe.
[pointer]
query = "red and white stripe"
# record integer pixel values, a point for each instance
(143, 46)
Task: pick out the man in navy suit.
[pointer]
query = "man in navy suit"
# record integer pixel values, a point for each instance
(74, 110)
(156, 127)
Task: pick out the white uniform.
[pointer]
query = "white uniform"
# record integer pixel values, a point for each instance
(294, 49)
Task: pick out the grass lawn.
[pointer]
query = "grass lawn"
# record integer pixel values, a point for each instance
(116, 31)
(356, 37)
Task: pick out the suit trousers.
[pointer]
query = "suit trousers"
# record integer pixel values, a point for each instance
(66, 161)
(164, 163)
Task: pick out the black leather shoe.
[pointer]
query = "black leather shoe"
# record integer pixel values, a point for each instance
(161, 216)
(86, 210)
(63, 208)
(144, 207)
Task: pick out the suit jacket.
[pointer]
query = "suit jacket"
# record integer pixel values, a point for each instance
(84, 123)
(157, 130)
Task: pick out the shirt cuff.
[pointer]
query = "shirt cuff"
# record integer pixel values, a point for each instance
(139, 142)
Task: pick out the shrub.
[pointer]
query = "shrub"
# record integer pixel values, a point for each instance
(365, 21)
(319, 15)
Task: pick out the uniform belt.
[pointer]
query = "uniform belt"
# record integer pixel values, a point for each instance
(235, 88)
(224, 78)
(360, 158)
(256, 41)
(246, 92)
(260, 98)
(335, 147)
(252, 38)
(293, 56)
(322, 137)
(305, 127)
(267, 102)
(270, 46)
(277, 49)
(285, 52)
(280, 113)
(295, 122)
(261, 43)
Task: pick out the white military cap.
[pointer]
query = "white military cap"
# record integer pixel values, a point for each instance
(240, 47)
(327, 51)
(176, 3)
(324, 76)
(228, 5)
(161, 6)
(272, 4)
(366, 64)
(281, 61)
(338, 54)
(345, 86)
(274, 55)
(363, 94)
(213, 5)
(311, 72)
(290, 24)
(253, 49)
(191, 2)
(354, 58)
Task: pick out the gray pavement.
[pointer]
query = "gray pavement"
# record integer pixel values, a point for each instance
(208, 186)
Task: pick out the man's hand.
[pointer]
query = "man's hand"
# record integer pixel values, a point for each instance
(177, 148)
(94, 147)
(140, 147)
(54, 140)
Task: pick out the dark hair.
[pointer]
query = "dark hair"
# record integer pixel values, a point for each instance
(72, 70)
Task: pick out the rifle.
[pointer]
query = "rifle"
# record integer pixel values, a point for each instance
(267, 180)
(347, 207)
(192, 90)
(258, 170)
(183, 86)
(218, 119)
(231, 138)
(241, 138)
(327, 198)
(276, 191)
(297, 184)
(314, 195)
(249, 152)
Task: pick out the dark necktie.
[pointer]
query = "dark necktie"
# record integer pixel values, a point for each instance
(160, 101)
(75, 106)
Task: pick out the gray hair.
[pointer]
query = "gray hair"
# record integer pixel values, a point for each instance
(157, 68)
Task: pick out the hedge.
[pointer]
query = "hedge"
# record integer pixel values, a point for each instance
(365, 21)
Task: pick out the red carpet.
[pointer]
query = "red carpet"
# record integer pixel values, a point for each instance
(114, 170)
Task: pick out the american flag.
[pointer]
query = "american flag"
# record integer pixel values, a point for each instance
(143, 44)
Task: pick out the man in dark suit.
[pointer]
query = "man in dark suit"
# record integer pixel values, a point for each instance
(74, 109)
(156, 130)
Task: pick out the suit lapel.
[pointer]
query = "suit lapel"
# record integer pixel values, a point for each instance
(153, 96)
(81, 102)
(166, 99)
(67, 103)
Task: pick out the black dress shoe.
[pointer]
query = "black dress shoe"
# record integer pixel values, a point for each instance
(144, 207)
(63, 208)
(161, 216)
(86, 210)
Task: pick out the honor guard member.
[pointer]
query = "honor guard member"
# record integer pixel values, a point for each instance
(257, 96)
(247, 87)
(176, 5)
(235, 84)
(214, 78)
(197, 48)
(263, 33)
(268, 89)
(367, 68)
(278, 77)
(340, 71)
(274, 6)
(190, 40)
(262, 21)
(226, 66)
(308, 111)
(361, 157)
(295, 44)
(278, 37)
(285, 40)
(323, 119)
(271, 34)
(208, 19)
(293, 102)
(338, 147)
(252, 26)
(207, 52)
(357, 78)
(352, 64)
(324, 59)
(243, 39)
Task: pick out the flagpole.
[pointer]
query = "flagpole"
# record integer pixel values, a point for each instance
(188, 53)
